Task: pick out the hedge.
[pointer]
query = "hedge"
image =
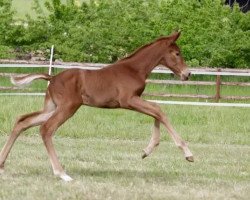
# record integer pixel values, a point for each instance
(103, 30)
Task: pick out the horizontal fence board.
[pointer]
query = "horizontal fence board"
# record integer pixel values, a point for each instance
(174, 82)
(9, 88)
(207, 83)
(235, 97)
(11, 74)
(164, 82)
(242, 105)
(47, 63)
(201, 96)
(22, 94)
(235, 84)
(95, 66)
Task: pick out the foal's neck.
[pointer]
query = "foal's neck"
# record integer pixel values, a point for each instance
(144, 61)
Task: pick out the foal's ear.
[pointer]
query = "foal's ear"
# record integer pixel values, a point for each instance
(174, 36)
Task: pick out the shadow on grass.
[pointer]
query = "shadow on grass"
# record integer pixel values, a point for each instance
(127, 174)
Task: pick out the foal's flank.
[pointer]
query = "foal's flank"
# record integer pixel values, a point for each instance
(119, 85)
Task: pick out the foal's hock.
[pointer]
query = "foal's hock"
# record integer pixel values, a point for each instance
(119, 85)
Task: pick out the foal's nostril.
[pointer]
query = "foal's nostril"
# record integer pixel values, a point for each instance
(185, 75)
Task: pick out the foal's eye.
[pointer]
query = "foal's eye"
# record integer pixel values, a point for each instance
(177, 54)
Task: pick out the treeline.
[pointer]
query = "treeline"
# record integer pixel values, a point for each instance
(103, 31)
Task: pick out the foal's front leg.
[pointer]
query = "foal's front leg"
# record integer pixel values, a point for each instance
(152, 109)
(154, 141)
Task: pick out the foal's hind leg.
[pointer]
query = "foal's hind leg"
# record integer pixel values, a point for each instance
(24, 122)
(61, 114)
(154, 141)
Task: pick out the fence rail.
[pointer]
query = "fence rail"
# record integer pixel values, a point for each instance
(174, 82)
(94, 66)
(199, 96)
(162, 70)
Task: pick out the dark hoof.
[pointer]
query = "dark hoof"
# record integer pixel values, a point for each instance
(144, 155)
(190, 158)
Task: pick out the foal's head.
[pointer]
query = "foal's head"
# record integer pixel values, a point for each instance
(172, 58)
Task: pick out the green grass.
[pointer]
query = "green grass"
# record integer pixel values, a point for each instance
(22, 11)
(113, 169)
(101, 150)
(196, 124)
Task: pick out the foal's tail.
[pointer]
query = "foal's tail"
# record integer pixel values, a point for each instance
(25, 80)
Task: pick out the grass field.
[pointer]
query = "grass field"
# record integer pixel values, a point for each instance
(101, 150)
(22, 11)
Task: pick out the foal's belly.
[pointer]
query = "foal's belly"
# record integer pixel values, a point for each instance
(99, 89)
(100, 101)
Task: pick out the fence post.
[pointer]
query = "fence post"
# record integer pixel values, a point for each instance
(218, 84)
(51, 60)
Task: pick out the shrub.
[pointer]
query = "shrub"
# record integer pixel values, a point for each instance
(103, 30)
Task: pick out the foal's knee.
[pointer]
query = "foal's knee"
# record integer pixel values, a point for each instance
(19, 127)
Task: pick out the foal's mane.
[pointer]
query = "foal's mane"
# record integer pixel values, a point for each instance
(141, 48)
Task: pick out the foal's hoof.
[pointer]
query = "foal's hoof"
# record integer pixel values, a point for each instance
(144, 155)
(190, 158)
(66, 178)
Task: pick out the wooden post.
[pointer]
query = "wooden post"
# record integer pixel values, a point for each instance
(51, 60)
(218, 84)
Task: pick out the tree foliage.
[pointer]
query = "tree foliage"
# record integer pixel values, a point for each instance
(104, 30)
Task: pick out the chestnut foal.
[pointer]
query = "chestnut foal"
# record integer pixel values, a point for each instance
(119, 85)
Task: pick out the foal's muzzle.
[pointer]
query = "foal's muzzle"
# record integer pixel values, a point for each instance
(185, 75)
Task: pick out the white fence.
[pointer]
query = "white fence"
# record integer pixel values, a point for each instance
(159, 69)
